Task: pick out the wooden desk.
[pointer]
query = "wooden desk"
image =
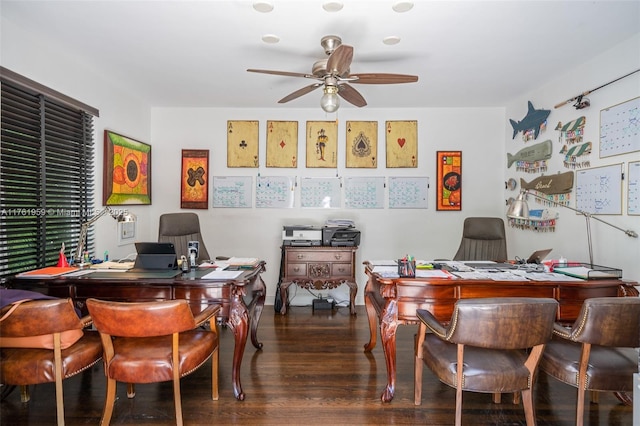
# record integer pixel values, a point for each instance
(231, 294)
(391, 302)
(319, 268)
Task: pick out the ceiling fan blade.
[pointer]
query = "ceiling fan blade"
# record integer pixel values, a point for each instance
(381, 78)
(285, 73)
(340, 60)
(351, 95)
(299, 92)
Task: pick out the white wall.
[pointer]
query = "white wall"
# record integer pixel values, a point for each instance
(49, 64)
(610, 246)
(483, 135)
(386, 233)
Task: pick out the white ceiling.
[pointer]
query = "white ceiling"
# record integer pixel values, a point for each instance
(195, 53)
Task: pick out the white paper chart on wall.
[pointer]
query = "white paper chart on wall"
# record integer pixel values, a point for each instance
(232, 191)
(275, 191)
(364, 192)
(620, 128)
(320, 192)
(599, 190)
(408, 192)
(633, 188)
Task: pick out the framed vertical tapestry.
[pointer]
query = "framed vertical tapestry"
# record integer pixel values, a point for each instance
(127, 171)
(282, 144)
(449, 180)
(194, 180)
(322, 144)
(362, 144)
(242, 143)
(402, 144)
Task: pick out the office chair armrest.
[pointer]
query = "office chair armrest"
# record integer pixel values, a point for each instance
(431, 322)
(210, 311)
(561, 331)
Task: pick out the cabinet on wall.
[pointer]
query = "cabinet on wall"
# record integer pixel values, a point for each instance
(318, 268)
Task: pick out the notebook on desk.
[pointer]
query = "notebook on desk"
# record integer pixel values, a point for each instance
(155, 257)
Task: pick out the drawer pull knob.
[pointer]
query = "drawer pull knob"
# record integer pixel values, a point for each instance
(338, 256)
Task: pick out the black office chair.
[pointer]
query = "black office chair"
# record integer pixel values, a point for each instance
(483, 238)
(179, 229)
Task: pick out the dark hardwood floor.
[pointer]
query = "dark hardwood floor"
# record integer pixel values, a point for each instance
(311, 371)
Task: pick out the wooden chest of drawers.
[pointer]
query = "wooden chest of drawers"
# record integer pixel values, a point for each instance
(318, 268)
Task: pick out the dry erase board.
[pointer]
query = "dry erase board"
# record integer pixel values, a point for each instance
(633, 188)
(320, 192)
(408, 192)
(232, 191)
(364, 192)
(275, 191)
(599, 190)
(620, 128)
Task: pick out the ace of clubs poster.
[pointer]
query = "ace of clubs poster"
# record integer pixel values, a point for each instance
(282, 144)
(402, 144)
(242, 144)
(322, 144)
(362, 144)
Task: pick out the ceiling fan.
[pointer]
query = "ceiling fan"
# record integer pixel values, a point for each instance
(334, 74)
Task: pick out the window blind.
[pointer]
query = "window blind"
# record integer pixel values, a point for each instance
(46, 178)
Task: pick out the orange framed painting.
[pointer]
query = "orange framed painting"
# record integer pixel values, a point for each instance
(127, 171)
(194, 180)
(449, 180)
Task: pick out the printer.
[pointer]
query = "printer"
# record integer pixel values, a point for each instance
(301, 236)
(340, 236)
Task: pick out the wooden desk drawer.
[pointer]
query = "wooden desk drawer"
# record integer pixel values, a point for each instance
(296, 270)
(319, 256)
(341, 270)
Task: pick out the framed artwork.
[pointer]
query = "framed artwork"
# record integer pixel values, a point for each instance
(282, 144)
(242, 144)
(322, 144)
(127, 171)
(402, 144)
(449, 180)
(362, 144)
(194, 180)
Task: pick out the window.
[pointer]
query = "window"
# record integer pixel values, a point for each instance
(46, 174)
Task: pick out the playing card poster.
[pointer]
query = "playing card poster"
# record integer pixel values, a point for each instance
(362, 144)
(402, 144)
(242, 143)
(282, 144)
(322, 144)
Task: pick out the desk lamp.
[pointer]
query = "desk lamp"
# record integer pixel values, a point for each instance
(119, 216)
(519, 209)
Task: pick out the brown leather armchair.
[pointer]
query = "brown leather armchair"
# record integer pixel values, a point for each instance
(600, 351)
(179, 229)
(484, 347)
(483, 238)
(153, 342)
(60, 348)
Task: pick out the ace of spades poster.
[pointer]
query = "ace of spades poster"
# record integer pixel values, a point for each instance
(402, 143)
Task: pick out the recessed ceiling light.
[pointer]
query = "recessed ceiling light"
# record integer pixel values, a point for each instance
(263, 6)
(332, 6)
(270, 38)
(403, 6)
(391, 40)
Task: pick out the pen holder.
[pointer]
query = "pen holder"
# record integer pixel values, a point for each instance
(407, 268)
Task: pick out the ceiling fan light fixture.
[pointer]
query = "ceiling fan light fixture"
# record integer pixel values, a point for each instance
(402, 6)
(263, 6)
(391, 40)
(333, 6)
(270, 38)
(330, 102)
